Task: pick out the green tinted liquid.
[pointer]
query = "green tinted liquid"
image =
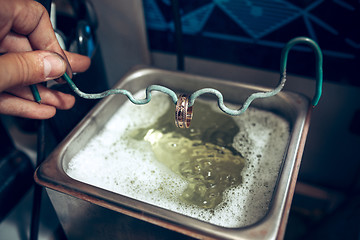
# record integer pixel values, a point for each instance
(202, 155)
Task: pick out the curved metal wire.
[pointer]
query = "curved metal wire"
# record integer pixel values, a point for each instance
(192, 98)
(318, 61)
(147, 99)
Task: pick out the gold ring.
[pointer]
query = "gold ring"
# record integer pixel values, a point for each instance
(183, 113)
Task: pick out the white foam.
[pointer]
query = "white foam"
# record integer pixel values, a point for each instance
(129, 168)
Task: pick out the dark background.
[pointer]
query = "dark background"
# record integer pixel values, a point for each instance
(252, 33)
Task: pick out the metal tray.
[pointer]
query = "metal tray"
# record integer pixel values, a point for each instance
(89, 212)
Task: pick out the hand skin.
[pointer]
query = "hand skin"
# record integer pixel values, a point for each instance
(31, 55)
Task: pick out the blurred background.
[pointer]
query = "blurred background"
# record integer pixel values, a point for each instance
(236, 40)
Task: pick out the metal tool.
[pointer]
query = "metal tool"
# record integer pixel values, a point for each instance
(196, 94)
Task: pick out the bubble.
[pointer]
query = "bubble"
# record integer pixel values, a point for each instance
(132, 170)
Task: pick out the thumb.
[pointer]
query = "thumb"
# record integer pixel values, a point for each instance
(26, 68)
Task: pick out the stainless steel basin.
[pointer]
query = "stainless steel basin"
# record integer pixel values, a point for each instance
(89, 212)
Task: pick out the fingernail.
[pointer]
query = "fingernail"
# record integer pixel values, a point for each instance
(54, 66)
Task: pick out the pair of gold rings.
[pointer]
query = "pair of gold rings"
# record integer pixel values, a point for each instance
(183, 113)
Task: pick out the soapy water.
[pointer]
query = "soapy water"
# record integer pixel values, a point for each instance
(203, 156)
(124, 158)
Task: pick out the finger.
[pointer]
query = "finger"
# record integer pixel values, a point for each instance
(12, 105)
(79, 63)
(50, 97)
(32, 20)
(25, 68)
(13, 42)
(18, 43)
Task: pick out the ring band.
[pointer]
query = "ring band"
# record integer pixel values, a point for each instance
(183, 113)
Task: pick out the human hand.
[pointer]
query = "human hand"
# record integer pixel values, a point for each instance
(24, 27)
